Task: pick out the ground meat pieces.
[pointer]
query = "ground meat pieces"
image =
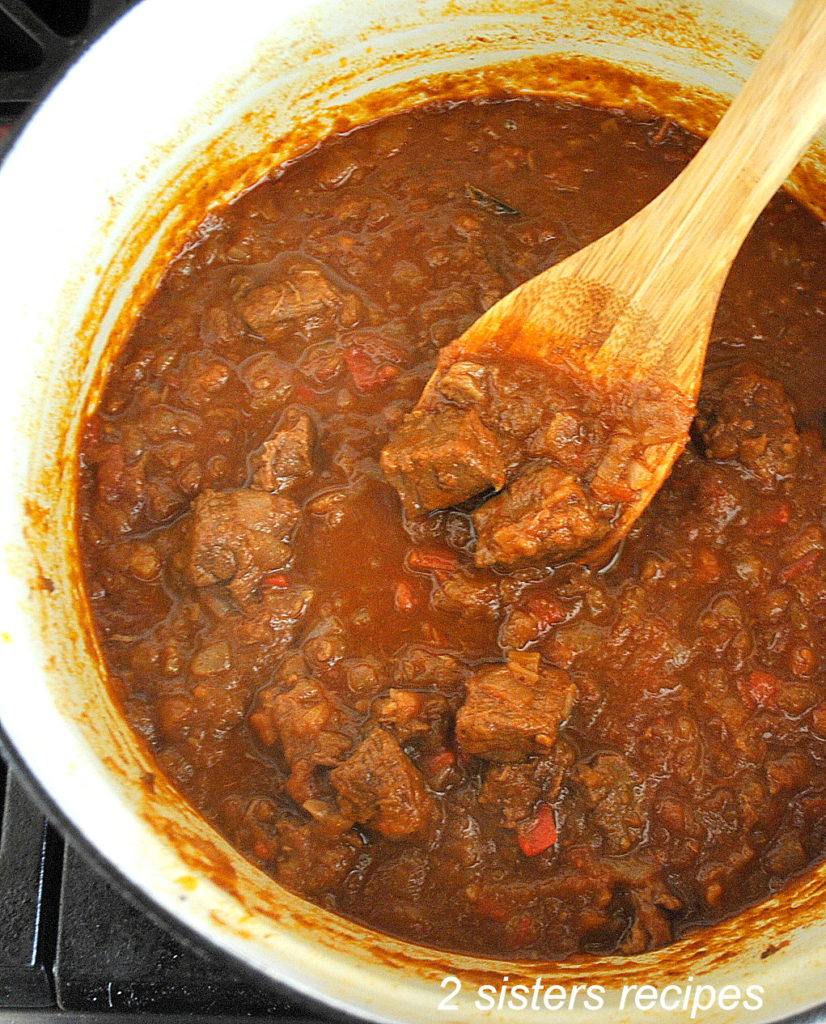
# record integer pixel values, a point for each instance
(441, 460)
(751, 423)
(544, 513)
(380, 787)
(236, 537)
(287, 456)
(514, 710)
(611, 789)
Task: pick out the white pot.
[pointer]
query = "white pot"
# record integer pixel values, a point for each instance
(178, 105)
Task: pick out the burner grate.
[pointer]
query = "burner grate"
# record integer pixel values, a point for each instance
(30, 856)
(38, 37)
(72, 948)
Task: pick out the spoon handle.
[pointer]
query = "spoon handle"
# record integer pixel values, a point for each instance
(759, 140)
(672, 258)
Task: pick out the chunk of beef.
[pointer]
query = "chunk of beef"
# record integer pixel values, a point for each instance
(306, 723)
(410, 715)
(301, 291)
(461, 594)
(325, 644)
(381, 787)
(309, 861)
(467, 384)
(543, 513)
(625, 468)
(514, 710)
(286, 456)
(442, 458)
(652, 924)
(268, 380)
(610, 788)
(639, 882)
(506, 398)
(364, 677)
(236, 537)
(751, 423)
(268, 626)
(419, 666)
(511, 790)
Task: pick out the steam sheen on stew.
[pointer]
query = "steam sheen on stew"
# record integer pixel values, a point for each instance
(374, 703)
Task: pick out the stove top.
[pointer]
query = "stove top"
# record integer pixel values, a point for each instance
(71, 947)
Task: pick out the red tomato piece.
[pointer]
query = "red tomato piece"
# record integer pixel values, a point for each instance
(276, 581)
(801, 566)
(367, 371)
(437, 763)
(492, 908)
(761, 688)
(406, 598)
(433, 559)
(538, 834)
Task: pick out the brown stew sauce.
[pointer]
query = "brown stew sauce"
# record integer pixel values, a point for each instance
(515, 760)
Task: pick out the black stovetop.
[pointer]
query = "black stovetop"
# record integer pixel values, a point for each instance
(71, 942)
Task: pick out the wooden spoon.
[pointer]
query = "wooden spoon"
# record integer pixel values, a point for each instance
(633, 311)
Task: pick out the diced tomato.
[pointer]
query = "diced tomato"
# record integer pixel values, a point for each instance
(546, 611)
(767, 521)
(276, 581)
(761, 688)
(538, 834)
(801, 566)
(433, 559)
(367, 370)
(443, 759)
(406, 598)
